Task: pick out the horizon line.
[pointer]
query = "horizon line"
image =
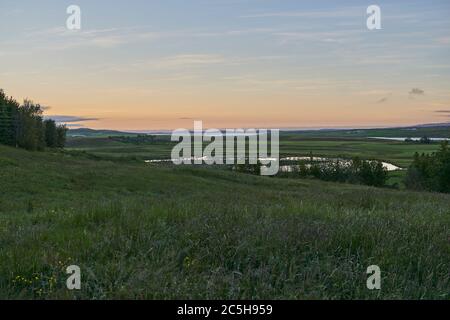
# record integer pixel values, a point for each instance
(280, 128)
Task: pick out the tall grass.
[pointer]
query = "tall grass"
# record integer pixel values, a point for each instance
(145, 232)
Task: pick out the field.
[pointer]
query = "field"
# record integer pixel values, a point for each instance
(398, 153)
(145, 231)
(291, 144)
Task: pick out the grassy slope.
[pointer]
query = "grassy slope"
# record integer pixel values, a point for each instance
(139, 231)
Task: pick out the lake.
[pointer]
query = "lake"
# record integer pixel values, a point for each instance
(292, 167)
(412, 139)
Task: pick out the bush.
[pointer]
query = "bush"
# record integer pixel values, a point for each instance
(430, 171)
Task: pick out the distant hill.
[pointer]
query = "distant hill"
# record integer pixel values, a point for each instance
(433, 125)
(437, 130)
(86, 132)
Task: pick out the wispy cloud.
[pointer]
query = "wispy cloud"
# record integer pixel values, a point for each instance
(383, 100)
(187, 60)
(60, 38)
(318, 36)
(255, 82)
(416, 92)
(69, 119)
(348, 12)
(229, 33)
(443, 113)
(197, 60)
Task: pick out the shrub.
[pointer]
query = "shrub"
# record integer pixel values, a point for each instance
(430, 171)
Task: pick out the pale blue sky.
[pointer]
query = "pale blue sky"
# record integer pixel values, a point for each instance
(159, 64)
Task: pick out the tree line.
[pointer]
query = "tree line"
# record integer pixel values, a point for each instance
(430, 172)
(138, 140)
(23, 126)
(423, 140)
(356, 171)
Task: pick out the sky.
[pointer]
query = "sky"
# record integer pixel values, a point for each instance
(153, 65)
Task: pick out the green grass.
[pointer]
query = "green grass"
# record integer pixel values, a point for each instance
(143, 231)
(398, 153)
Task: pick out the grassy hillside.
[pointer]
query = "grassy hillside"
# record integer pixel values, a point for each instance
(142, 231)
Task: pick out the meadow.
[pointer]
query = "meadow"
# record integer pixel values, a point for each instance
(143, 231)
(398, 153)
(395, 152)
